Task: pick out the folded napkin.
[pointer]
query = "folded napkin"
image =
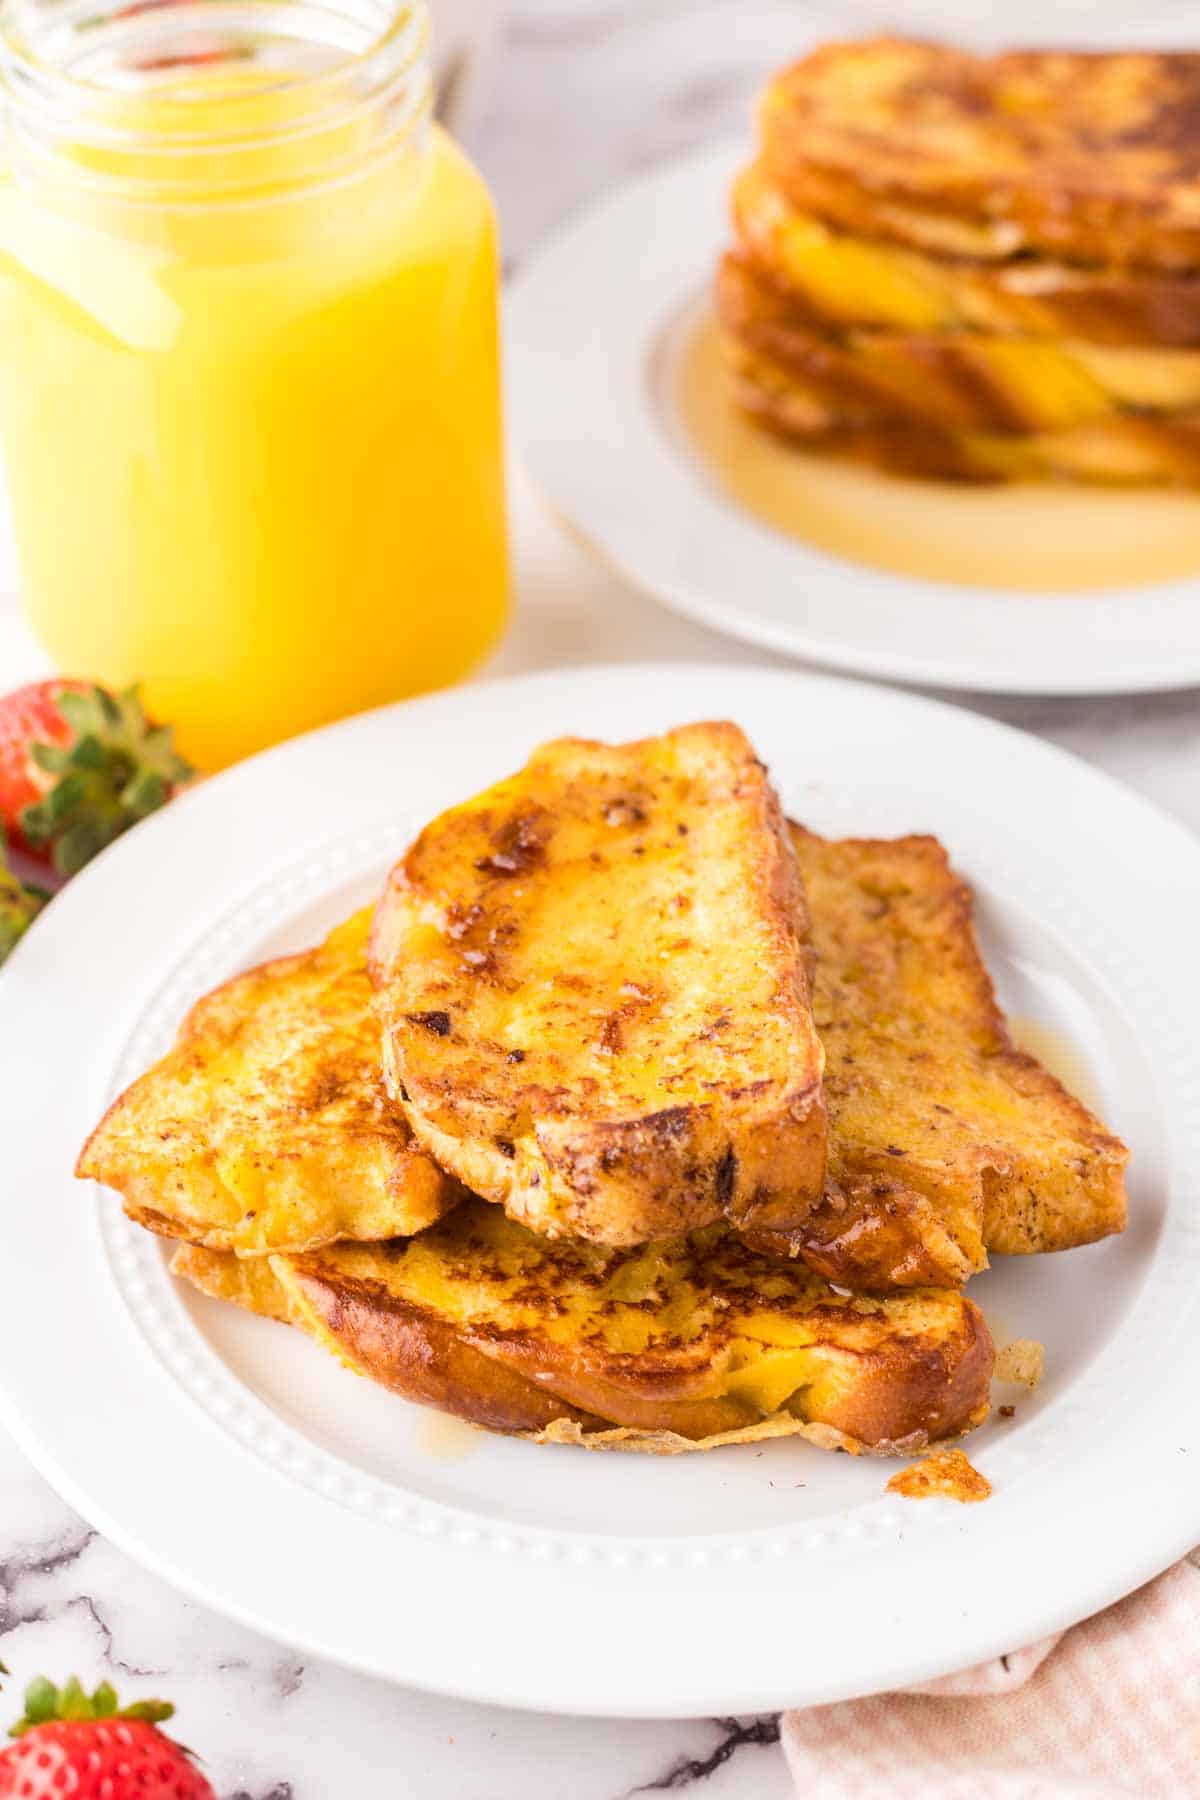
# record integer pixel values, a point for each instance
(1107, 1709)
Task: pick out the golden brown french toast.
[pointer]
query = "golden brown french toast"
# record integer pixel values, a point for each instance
(959, 381)
(944, 1140)
(1121, 449)
(670, 1346)
(267, 1127)
(1094, 157)
(844, 280)
(595, 997)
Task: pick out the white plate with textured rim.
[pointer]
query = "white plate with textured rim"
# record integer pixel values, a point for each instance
(598, 429)
(243, 1464)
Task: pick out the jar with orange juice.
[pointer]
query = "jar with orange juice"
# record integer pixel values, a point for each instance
(249, 384)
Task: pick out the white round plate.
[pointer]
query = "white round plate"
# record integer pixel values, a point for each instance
(244, 1464)
(591, 323)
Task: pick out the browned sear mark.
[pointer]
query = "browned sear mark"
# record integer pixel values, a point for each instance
(612, 1033)
(517, 846)
(437, 1022)
(942, 1475)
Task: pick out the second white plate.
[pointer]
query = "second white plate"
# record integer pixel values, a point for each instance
(588, 323)
(243, 1463)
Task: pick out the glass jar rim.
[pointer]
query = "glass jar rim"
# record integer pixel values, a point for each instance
(160, 136)
(30, 78)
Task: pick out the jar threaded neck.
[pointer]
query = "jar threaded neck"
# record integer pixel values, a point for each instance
(172, 102)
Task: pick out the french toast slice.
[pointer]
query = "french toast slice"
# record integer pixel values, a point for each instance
(1091, 156)
(594, 993)
(1121, 449)
(945, 1141)
(671, 1346)
(267, 1127)
(843, 281)
(960, 381)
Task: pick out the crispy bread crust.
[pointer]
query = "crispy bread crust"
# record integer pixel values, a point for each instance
(957, 381)
(876, 1233)
(843, 280)
(1120, 450)
(1092, 157)
(905, 1394)
(414, 1353)
(267, 1127)
(945, 1140)
(594, 998)
(882, 1376)
(671, 1443)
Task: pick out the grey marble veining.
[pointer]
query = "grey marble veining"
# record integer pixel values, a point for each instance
(588, 91)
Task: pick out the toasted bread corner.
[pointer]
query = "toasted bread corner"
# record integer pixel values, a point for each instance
(595, 993)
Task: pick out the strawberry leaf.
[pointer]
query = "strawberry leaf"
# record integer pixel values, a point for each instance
(45, 1703)
(51, 758)
(104, 1700)
(153, 1710)
(78, 844)
(116, 770)
(41, 1701)
(73, 1703)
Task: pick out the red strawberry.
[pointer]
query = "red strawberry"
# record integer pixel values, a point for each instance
(78, 766)
(30, 716)
(74, 1743)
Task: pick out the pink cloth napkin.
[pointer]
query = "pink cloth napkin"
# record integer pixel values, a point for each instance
(1110, 1708)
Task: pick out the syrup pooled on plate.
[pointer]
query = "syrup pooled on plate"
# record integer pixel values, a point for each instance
(446, 1438)
(1035, 537)
(1064, 1059)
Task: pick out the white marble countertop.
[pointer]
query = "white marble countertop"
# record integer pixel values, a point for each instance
(588, 91)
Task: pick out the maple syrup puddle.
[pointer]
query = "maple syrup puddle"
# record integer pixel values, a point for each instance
(1064, 1059)
(444, 1437)
(1037, 538)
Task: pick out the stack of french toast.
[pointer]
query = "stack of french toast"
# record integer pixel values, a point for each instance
(974, 268)
(630, 1115)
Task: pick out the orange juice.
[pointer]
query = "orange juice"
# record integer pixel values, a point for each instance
(249, 392)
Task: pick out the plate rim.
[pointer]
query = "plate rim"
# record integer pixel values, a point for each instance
(707, 167)
(1174, 1527)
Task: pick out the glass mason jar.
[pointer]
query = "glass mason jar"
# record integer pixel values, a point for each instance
(249, 385)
